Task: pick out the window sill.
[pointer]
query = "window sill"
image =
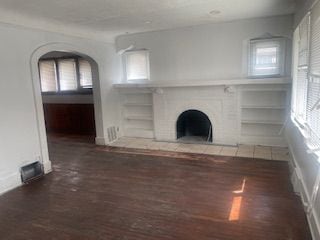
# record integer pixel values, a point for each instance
(83, 92)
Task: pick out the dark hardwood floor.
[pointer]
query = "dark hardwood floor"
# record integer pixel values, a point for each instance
(105, 193)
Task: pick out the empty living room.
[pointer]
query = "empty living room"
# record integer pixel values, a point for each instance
(160, 120)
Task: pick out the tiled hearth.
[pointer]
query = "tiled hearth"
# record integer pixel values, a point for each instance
(250, 151)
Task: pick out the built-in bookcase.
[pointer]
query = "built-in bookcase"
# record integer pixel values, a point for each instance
(263, 114)
(138, 114)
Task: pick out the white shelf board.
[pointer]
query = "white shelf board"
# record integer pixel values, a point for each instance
(139, 117)
(139, 128)
(261, 122)
(262, 107)
(138, 104)
(265, 90)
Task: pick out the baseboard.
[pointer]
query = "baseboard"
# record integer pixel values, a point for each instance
(101, 141)
(9, 181)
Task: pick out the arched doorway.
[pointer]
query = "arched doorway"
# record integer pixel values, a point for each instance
(194, 126)
(66, 81)
(81, 51)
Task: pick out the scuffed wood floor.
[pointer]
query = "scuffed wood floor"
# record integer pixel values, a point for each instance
(104, 193)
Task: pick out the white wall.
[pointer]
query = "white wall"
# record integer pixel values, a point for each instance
(19, 132)
(214, 51)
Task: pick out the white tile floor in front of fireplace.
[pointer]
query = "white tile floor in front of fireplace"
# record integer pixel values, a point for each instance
(251, 151)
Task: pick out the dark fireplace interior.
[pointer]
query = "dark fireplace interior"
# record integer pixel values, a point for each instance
(194, 125)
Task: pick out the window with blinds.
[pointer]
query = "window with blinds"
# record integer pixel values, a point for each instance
(137, 65)
(85, 74)
(266, 57)
(306, 77)
(48, 76)
(65, 75)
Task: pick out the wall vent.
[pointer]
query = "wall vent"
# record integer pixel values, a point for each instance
(31, 171)
(112, 134)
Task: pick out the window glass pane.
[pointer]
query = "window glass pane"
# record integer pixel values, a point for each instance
(266, 58)
(137, 65)
(85, 73)
(266, 61)
(48, 76)
(67, 74)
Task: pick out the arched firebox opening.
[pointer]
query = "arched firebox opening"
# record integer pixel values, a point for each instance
(194, 125)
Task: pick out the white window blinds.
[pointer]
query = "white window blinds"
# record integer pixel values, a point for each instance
(266, 57)
(48, 76)
(85, 74)
(306, 77)
(301, 66)
(67, 75)
(137, 65)
(313, 99)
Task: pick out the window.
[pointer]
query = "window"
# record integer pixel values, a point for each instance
(48, 76)
(266, 57)
(65, 75)
(137, 65)
(85, 74)
(306, 78)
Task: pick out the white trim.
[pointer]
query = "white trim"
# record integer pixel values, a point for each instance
(35, 56)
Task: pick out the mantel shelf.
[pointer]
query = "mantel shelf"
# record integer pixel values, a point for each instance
(199, 83)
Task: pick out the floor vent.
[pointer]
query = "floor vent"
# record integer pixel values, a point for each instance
(112, 134)
(31, 171)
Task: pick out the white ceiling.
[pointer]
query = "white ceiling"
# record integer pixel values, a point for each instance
(109, 18)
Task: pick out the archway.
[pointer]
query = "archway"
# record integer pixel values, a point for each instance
(194, 126)
(67, 96)
(62, 47)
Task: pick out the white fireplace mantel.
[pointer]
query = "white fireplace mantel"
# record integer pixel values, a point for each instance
(199, 83)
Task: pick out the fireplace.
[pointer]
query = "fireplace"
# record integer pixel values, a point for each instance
(194, 126)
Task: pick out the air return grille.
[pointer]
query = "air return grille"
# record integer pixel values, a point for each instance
(31, 171)
(112, 134)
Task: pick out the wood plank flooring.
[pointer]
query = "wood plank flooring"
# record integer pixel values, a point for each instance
(104, 193)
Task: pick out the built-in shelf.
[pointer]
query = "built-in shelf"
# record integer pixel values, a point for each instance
(137, 113)
(263, 113)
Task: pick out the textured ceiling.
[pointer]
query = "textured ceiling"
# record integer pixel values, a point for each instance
(109, 18)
